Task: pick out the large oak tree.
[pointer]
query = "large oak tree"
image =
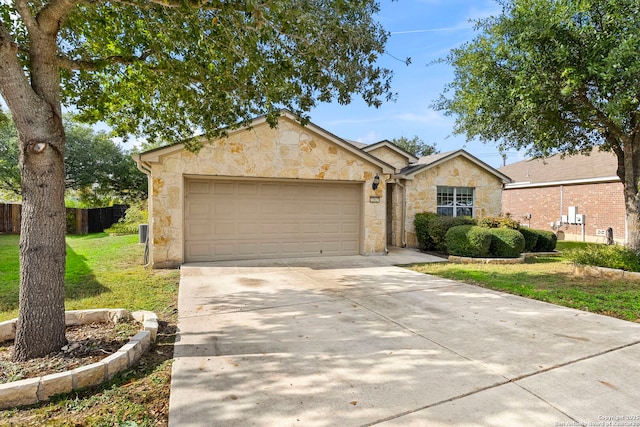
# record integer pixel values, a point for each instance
(164, 69)
(554, 76)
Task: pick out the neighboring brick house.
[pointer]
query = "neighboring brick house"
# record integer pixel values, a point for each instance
(544, 189)
(298, 191)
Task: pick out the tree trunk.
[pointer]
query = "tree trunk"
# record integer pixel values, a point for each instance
(629, 173)
(41, 320)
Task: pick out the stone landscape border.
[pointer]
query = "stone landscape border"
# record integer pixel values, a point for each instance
(581, 270)
(40, 389)
(519, 260)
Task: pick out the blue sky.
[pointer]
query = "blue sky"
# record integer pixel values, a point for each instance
(424, 30)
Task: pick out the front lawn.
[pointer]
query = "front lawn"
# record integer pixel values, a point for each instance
(548, 279)
(102, 272)
(105, 272)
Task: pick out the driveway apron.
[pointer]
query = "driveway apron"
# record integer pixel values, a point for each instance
(357, 341)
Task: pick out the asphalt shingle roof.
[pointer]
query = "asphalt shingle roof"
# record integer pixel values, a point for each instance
(596, 166)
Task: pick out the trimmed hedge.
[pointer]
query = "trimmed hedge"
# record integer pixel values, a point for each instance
(421, 223)
(498, 221)
(440, 224)
(506, 242)
(468, 240)
(546, 241)
(530, 238)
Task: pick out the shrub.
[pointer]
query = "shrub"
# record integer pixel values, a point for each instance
(605, 256)
(506, 242)
(530, 238)
(546, 241)
(440, 224)
(498, 221)
(136, 214)
(468, 240)
(421, 223)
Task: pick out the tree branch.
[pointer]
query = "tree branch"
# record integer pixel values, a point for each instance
(25, 13)
(173, 4)
(606, 122)
(50, 18)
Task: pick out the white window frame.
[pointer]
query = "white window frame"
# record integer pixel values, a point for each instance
(455, 203)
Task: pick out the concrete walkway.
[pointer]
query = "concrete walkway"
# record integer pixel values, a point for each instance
(355, 341)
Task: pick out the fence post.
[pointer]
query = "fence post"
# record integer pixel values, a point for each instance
(16, 214)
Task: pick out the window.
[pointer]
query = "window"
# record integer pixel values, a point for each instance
(456, 201)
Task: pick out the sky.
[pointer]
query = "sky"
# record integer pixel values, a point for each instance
(424, 30)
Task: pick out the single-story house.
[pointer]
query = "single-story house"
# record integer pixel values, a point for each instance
(299, 191)
(568, 195)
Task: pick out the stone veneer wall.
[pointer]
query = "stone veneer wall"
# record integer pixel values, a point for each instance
(288, 152)
(457, 172)
(391, 157)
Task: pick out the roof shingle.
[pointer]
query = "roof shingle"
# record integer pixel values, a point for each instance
(596, 166)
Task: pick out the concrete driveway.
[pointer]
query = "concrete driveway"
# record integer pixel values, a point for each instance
(355, 341)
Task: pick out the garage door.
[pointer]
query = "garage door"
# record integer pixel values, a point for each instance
(227, 220)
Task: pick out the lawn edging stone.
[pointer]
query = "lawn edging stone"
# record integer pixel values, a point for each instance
(470, 260)
(40, 389)
(582, 270)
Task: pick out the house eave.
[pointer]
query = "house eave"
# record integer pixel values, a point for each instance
(390, 145)
(598, 180)
(504, 178)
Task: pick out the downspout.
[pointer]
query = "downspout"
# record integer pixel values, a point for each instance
(145, 170)
(404, 215)
(561, 201)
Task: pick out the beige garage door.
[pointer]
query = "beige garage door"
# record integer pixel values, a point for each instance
(227, 220)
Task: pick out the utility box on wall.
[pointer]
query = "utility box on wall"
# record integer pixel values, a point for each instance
(580, 219)
(573, 212)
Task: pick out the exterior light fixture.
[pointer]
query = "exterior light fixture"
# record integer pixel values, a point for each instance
(376, 182)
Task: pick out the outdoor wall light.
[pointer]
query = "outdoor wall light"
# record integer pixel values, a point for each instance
(376, 182)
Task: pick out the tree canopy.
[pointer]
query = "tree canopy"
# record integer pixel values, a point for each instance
(415, 146)
(555, 77)
(550, 76)
(166, 69)
(163, 69)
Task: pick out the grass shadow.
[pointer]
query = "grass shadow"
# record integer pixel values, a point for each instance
(80, 281)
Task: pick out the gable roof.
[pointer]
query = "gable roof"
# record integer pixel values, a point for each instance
(386, 143)
(428, 162)
(154, 154)
(598, 166)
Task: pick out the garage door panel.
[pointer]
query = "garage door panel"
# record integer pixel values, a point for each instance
(198, 187)
(245, 220)
(221, 188)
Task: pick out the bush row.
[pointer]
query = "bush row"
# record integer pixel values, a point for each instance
(617, 257)
(493, 236)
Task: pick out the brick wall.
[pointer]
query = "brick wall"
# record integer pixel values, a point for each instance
(602, 204)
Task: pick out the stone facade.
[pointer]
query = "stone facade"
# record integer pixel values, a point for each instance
(295, 153)
(457, 172)
(289, 151)
(390, 156)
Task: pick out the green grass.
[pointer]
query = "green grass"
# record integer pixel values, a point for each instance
(564, 245)
(102, 272)
(548, 279)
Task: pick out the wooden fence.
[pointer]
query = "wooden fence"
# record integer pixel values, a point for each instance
(79, 221)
